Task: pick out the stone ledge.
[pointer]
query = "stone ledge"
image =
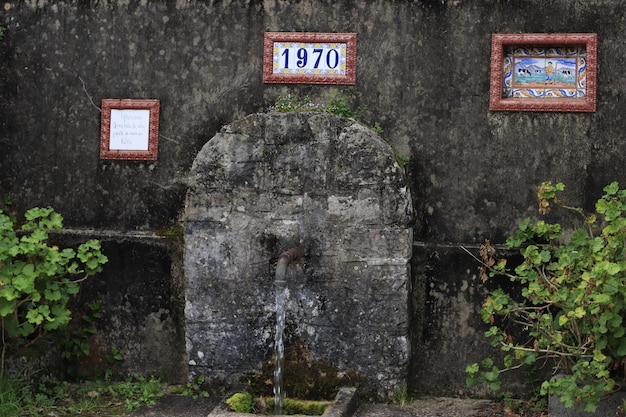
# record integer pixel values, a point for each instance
(345, 405)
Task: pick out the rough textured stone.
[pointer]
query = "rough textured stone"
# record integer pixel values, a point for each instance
(319, 182)
(141, 296)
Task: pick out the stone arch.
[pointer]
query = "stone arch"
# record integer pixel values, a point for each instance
(328, 185)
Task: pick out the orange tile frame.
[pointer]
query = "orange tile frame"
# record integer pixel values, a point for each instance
(565, 104)
(349, 78)
(149, 154)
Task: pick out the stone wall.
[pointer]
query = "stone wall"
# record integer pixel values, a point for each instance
(329, 186)
(422, 70)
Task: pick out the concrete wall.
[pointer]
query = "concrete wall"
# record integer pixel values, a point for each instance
(422, 70)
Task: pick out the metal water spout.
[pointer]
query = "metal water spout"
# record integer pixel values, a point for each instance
(290, 255)
(282, 293)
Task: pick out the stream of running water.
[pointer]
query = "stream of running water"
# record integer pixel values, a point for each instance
(282, 294)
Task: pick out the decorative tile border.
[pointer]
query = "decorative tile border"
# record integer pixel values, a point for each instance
(129, 129)
(309, 58)
(543, 72)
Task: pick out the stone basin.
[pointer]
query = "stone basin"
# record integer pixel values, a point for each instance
(345, 405)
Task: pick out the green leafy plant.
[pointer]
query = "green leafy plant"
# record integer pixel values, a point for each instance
(402, 396)
(338, 105)
(114, 356)
(17, 399)
(74, 338)
(38, 279)
(139, 391)
(401, 160)
(97, 397)
(570, 311)
(378, 129)
(194, 388)
(287, 103)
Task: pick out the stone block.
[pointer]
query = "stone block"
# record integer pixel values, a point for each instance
(260, 187)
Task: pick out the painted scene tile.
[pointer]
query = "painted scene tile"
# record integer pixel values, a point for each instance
(544, 72)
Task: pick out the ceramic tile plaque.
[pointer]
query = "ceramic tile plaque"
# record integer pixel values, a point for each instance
(309, 58)
(543, 72)
(129, 129)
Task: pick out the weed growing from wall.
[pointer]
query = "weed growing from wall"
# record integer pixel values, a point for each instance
(338, 105)
(287, 103)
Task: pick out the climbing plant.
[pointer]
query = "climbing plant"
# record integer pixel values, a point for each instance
(37, 279)
(571, 308)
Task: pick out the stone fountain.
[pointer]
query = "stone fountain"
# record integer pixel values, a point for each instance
(330, 186)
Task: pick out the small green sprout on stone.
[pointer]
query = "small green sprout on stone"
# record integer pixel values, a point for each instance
(288, 103)
(338, 105)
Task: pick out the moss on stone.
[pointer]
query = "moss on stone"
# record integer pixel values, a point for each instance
(301, 407)
(304, 377)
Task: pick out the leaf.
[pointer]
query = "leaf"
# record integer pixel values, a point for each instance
(26, 281)
(596, 244)
(579, 312)
(492, 375)
(508, 361)
(25, 330)
(9, 293)
(72, 289)
(6, 308)
(530, 358)
(612, 188)
(621, 349)
(487, 363)
(52, 295)
(34, 316)
(602, 298)
(598, 356)
(36, 276)
(472, 369)
(606, 267)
